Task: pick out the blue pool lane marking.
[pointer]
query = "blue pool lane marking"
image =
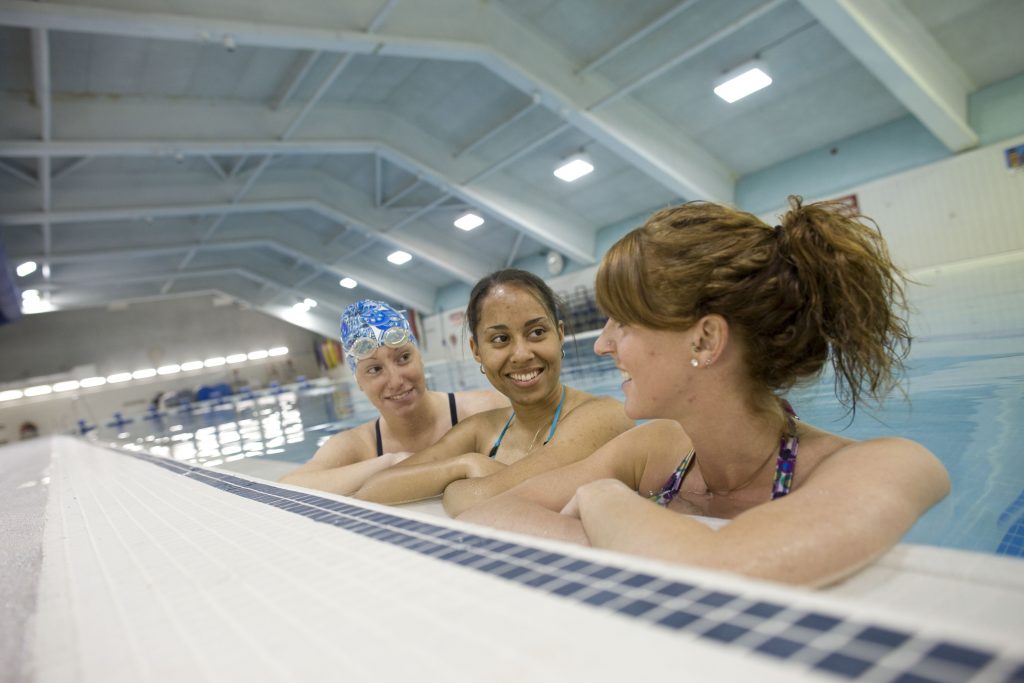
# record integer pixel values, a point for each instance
(830, 643)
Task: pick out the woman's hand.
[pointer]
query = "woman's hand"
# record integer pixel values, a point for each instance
(478, 465)
(593, 493)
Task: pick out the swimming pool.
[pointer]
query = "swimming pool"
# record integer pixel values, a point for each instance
(966, 405)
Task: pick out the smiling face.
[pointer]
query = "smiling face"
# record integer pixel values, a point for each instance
(654, 366)
(393, 379)
(518, 344)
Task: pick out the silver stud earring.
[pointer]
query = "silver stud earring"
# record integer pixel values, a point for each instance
(694, 362)
(482, 371)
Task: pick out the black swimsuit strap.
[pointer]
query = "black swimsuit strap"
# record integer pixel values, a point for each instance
(453, 409)
(380, 443)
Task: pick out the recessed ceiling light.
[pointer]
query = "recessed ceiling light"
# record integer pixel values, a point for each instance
(93, 382)
(119, 377)
(278, 351)
(171, 369)
(574, 167)
(69, 385)
(26, 268)
(10, 395)
(347, 283)
(236, 358)
(190, 365)
(468, 221)
(40, 390)
(309, 302)
(257, 355)
(741, 82)
(399, 257)
(214, 362)
(144, 374)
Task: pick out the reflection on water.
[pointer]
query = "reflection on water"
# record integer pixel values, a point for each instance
(966, 405)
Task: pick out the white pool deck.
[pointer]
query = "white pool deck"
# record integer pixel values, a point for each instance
(116, 568)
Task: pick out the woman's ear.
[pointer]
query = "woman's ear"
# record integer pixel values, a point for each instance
(473, 349)
(561, 331)
(713, 331)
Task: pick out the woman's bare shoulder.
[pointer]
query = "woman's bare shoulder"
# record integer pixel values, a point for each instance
(478, 401)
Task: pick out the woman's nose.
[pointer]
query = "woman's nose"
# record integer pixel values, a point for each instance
(603, 344)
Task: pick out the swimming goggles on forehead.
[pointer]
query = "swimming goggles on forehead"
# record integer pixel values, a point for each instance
(393, 337)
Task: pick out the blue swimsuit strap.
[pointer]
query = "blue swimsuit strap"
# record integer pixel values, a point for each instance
(554, 423)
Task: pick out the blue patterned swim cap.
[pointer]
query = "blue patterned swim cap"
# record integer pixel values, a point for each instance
(368, 324)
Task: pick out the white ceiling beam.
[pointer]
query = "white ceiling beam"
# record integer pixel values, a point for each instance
(480, 33)
(41, 79)
(558, 230)
(300, 69)
(900, 53)
(636, 37)
(19, 174)
(418, 297)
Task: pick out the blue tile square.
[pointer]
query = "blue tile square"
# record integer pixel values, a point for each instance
(540, 580)
(716, 599)
(494, 567)
(637, 580)
(908, 677)
(678, 619)
(600, 598)
(725, 633)
(843, 665)
(514, 572)
(957, 654)
(882, 636)
(569, 588)
(674, 589)
(603, 572)
(818, 622)
(637, 607)
(576, 566)
(783, 648)
(549, 558)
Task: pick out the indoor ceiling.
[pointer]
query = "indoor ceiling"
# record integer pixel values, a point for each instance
(264, 151)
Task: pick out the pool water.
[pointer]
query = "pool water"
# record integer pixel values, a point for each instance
(966, 404)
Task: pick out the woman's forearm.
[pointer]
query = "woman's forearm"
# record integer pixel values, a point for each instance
(408, 484)
(513, 513)
(342, 480)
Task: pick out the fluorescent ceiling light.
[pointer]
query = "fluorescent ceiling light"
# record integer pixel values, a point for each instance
(189, 366)
(347, 283)
(119, 377)
(213, 362)
(144, 374)
(41, 390)
(468, 221)
(10, 395)
(26, 268)
(93, 382)
(70, 385)
(236, 358)
(278, 351)
(574, 168)
(257, 355)
(399, 257)
(741, 82)
(172, 369)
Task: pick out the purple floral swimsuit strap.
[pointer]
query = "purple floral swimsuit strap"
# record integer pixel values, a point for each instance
(785, 465)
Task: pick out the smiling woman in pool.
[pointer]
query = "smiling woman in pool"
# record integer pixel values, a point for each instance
(516, 335)
(383, 355)
(713, 316)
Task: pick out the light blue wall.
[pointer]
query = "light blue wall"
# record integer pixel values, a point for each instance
(995, 113)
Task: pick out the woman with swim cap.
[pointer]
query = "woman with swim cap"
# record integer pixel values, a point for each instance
(384, 357)
(714, 315)
(517, 336)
